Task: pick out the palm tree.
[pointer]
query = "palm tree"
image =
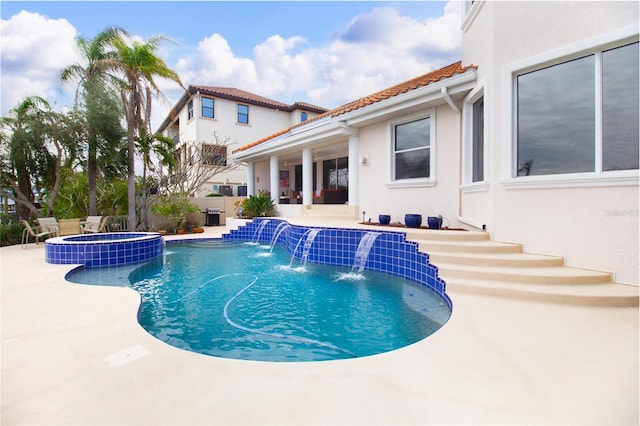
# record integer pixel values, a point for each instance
(140, 65)
(149, 144)
(94, 76)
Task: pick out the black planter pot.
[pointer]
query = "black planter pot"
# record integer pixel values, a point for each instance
(413, 220)
(384, 219)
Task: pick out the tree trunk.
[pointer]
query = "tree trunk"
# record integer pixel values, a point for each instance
(91, 175)
(131, 182)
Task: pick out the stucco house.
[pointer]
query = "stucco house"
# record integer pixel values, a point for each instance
(532, 137)
(234, 116)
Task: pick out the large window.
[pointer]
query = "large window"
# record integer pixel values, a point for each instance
(243, 114)
(208, 110)
(580, 115)
(214, 155)
(335, 173)
(412, 149)
(620, 108)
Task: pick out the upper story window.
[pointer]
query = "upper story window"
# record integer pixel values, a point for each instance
(243, 114)
(214, 155)
(190, 110)
(411, 152)
(580, 115)
(303, 117)
(208, 110)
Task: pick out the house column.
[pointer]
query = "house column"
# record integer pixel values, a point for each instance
(307, 177)
(251, 179)
(274, 173)
(354, 170)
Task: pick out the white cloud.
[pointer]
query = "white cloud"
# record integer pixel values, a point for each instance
(215, 61)
(34, 50)
(376, 50)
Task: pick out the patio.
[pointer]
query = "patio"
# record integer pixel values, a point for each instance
(74, 354)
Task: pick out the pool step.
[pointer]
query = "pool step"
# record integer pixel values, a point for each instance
(475, 264)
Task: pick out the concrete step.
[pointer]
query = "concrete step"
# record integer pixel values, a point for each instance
(490, 259)
(487, 246)
(426, 235)
(479, 265)
(608, 294)
(548, 275)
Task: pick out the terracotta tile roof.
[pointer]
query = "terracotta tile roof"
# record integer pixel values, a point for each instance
(308, 107)
(238, 95)
(390, 92)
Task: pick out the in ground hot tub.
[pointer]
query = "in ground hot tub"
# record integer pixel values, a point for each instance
(112, 248)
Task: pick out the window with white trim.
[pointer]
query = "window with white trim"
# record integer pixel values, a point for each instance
(190, 110)
(580, 115)
(208, 107)
(411, 149)
(477, 141)
(243, 114)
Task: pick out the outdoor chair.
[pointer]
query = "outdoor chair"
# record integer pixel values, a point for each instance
(117, 224)
(69, 227)
(94, 224)
(49, 224)
(37, 233)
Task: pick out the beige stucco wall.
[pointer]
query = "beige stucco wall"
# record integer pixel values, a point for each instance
(592, 226)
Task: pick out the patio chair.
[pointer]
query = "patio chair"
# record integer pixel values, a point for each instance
(28, 230)
(94, 224)
(117, 224)
(49, 224)
(69, 227)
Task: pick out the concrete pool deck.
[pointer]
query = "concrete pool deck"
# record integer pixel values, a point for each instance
(75, 354)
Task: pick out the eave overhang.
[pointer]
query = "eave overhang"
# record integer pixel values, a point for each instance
(339, 128)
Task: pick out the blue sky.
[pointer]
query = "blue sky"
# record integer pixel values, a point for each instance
(326, 53)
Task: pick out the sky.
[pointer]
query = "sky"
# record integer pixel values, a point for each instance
(326, 53)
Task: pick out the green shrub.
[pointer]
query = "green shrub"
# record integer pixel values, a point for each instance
(260, 205)
(175, 210)
(10, 231)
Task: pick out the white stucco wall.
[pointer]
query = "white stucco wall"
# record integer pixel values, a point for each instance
(594, 227)
(376, 197)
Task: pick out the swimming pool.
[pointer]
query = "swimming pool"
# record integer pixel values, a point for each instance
(261, 294)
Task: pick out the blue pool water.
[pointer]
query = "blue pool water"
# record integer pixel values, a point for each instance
(253, 300)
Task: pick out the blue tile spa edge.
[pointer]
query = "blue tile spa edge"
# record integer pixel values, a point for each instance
(108, 249)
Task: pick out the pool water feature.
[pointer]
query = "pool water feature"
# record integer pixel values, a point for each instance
(222, 298)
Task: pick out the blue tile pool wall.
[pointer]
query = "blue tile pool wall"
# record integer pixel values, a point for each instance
(103, 249)
(390, 253)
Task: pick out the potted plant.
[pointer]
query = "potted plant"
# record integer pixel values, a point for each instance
(259, 205)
